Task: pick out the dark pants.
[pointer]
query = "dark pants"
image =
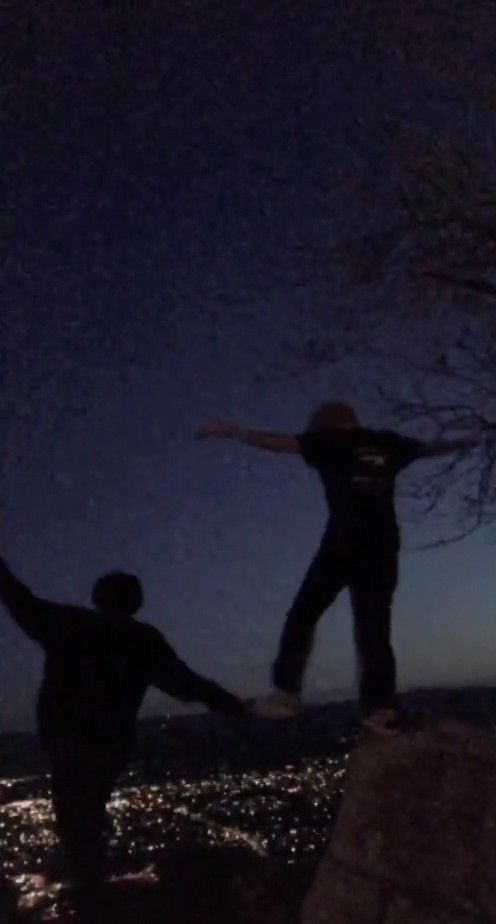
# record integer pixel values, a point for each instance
(82, 781)
(370, 572)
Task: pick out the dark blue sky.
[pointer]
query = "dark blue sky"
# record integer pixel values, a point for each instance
(163, 170)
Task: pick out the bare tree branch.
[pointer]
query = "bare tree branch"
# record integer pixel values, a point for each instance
(477, 285)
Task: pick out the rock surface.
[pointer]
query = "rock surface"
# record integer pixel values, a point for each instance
(415, 839)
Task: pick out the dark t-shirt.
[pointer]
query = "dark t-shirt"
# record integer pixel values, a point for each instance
(358, 469)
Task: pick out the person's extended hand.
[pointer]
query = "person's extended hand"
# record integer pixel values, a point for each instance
(487, 426)
(217, 429)
(232, 705)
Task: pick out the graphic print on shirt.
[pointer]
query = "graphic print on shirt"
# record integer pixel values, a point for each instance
(373, 471)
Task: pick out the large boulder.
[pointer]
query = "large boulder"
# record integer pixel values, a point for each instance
(415, 840)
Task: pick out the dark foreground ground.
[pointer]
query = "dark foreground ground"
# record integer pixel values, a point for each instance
(188, 886)
(213, 822)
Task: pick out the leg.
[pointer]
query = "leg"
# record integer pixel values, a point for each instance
(327, 576)
(80, 821)
(81, 785)
(372, 591)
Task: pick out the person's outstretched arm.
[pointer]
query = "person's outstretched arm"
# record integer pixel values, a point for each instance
(172, 676)
(261, 439)
(446, 447)
(31, 613)
(443, 447)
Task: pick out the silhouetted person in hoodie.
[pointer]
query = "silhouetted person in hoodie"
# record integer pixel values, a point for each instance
(98, 666)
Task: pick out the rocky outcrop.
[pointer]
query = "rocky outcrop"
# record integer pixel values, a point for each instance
(415, 840)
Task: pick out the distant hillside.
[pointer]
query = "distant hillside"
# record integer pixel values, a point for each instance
(192, 745)
(209, 743)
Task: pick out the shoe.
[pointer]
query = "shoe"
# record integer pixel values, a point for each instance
(384, 722)
(278, 705)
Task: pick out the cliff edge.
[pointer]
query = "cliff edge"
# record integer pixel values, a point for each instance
(415, 839)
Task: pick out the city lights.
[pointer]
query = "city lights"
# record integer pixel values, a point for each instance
(285, 812)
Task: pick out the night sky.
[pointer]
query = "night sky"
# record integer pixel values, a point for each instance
(165, 167)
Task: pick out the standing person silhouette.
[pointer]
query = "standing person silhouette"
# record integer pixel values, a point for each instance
(359, 549)
(98, 665)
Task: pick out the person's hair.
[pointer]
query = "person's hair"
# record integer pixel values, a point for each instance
(333, 414)
(117, 594)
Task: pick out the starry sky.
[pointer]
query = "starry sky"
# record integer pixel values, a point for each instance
(166, 165)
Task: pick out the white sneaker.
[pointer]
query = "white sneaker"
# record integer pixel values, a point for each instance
(383, 722)
(278, 705)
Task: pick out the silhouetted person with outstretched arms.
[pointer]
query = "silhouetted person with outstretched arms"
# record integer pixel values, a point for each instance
(98, 665)
(359, 549)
